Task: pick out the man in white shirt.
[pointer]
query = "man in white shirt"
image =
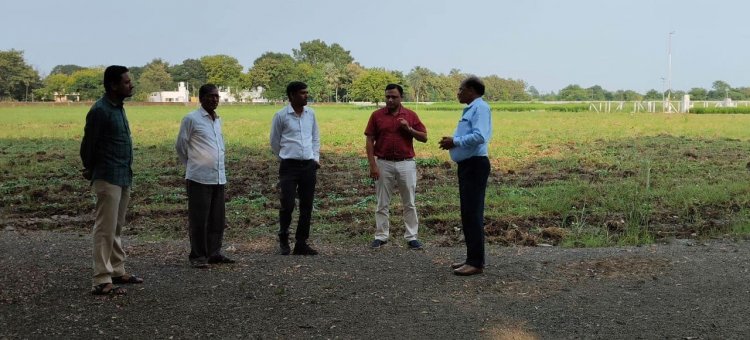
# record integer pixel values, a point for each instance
(295, 140)
(200, 147)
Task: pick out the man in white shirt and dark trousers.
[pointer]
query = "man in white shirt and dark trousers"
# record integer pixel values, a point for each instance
(295, 140)
(200, 147)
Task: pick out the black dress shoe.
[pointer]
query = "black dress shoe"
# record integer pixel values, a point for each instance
(220, 260)
(284, 245)
(467, 270)
(303, 249)
(457, 265)
(199, 263)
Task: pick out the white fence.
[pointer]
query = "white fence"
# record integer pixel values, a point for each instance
(682, 106)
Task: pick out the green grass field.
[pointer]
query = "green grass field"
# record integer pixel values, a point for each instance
(572, 178)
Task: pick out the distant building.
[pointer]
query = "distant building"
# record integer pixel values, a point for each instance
(66, 97)
(182, 95)
(252, 96)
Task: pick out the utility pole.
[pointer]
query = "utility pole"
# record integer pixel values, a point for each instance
(669, 70)
(663, 88)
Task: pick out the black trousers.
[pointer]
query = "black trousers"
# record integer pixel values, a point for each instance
(206, 219)
(472, 185)
(297, 178)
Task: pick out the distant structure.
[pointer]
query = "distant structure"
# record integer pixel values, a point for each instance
(182, 95)
(66, 97)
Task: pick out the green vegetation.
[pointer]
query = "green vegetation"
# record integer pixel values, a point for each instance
(571, 178)
(512, 107)
(731, 110)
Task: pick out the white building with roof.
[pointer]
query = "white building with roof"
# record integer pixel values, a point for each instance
(182, 95)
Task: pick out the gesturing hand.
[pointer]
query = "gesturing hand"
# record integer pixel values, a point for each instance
(446, 143)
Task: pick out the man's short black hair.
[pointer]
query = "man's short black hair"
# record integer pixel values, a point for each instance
(395, 86)
(205, 89)
(113, 74)
(293, 87)
(476, 84)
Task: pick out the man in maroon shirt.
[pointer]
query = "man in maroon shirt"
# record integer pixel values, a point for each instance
(390, 152)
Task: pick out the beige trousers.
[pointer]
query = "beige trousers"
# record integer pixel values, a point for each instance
(111, 206)
(401, 175)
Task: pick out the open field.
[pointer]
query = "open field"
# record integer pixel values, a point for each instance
(571, 178)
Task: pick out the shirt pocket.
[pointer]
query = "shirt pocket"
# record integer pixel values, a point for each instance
(464, 123)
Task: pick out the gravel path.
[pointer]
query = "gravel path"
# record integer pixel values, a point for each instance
(683, 290)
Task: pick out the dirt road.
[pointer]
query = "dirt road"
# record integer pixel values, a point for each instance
(683, 290)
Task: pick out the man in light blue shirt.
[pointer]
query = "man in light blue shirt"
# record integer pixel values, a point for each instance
(468, 148)
(200, 147)
(295, 140)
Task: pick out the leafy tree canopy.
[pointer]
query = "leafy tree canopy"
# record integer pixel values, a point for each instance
(222, 70)
(65, 69)
(17, 78)
(370, 85)
(317, 52)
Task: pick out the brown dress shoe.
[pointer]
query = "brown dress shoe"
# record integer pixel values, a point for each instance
(467, 270)
(457, 265)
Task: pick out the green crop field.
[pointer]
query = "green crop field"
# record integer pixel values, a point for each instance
(571, 178)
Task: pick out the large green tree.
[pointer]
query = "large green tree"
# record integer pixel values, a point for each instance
(314, 78)
(317, 52)
(698, 93)
(155, 77)
(17, 78)
(273, 71)
(596, 92)
(58, 84)
(67, 69)
(88, 83)
(350, 72)
(630, 95)
(502, 89)
(370, 85)
(330, 64)
(420, 81)
(533, 92)
(652, 95)
(190, 71)
(333, 77)
(222, 70)
(573, 92)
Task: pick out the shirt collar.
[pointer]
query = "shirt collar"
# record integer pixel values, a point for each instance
(401, 110)
(111, 103)
(205, 113)
(290, 109)
(477, 100)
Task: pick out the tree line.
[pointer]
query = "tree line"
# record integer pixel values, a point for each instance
(719, 91)
(330, 71)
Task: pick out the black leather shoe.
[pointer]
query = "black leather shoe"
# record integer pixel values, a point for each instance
(284, 245)
(467, 270)
(303, 249)
(221, 259)
(377, 244)
(199, 263)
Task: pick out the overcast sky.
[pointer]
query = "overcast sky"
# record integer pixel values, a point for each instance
(547, 43)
